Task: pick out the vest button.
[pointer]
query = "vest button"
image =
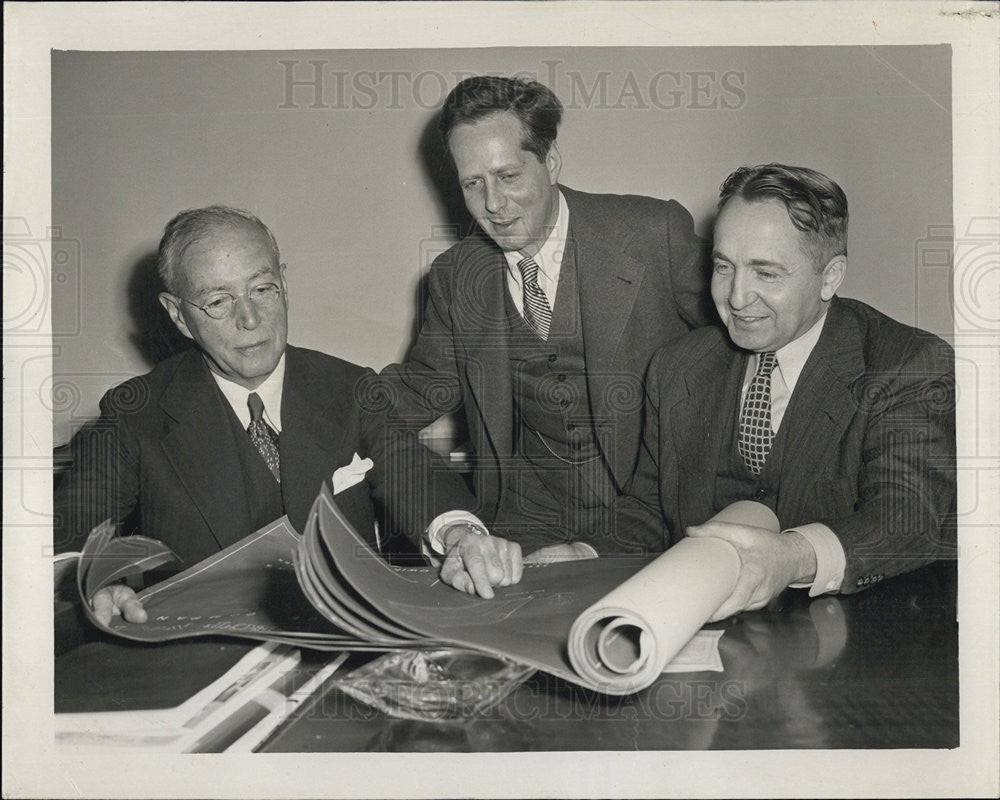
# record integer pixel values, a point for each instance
(561, 378)
(570, 427)
(760, 494)
(564, 404)
(552, 357)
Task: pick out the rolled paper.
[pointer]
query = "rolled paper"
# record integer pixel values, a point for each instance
(622, 642)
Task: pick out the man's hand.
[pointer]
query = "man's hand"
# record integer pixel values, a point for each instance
(117, 599)
(554, 553)
(769, 563)
(475, 563)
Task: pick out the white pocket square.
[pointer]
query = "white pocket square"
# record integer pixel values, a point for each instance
(346, 476)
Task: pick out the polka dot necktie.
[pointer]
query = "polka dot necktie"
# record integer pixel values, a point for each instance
(263, 436)
(536, 306)
(755, 417)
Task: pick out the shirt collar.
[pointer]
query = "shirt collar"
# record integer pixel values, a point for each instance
(269, 392)
(793, 356)
(550, 255)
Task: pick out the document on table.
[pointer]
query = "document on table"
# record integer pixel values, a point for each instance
(609, 624)
(700, 654)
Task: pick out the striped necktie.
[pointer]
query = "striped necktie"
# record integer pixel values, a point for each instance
(536, 306)
(755, 417)
(263, 436)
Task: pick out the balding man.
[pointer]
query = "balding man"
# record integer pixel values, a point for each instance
(220, 440)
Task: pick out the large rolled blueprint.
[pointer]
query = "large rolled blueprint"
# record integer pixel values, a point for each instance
(624, 640)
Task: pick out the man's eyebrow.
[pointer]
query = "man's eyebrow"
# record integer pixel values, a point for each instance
(753, 262)
(508, 167)
(268, 271)
(212, 290)
(763, 262)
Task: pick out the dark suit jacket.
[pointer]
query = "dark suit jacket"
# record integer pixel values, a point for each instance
(870, 447)
(641, 273)
(164, 444)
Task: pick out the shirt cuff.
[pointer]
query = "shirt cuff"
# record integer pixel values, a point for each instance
(830, 559)
(590, 549)
(442, 521)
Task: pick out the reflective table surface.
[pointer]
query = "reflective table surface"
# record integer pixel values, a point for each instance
(877, 669)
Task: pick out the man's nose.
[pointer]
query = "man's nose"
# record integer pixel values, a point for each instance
(247, 314)
(741, 293)
(495, 198)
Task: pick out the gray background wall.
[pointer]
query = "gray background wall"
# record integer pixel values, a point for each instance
(336, 152)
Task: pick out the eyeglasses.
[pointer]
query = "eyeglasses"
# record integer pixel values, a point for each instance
(221, 305)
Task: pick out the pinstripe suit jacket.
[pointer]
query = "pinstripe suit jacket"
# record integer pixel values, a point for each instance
(870, 447)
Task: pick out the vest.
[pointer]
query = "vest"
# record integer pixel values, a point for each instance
(549, 379)
(264, 501)
(734, 481)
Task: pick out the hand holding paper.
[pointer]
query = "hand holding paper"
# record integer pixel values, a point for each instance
(626, 639)
(117, 599)
(769, 562)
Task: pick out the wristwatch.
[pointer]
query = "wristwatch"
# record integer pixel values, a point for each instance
(436, 541)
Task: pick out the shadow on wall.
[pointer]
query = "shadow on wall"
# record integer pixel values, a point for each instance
(154, 335)
(447, 195)
(440, 173)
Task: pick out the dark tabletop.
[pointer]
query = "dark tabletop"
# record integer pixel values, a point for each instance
(877, 669)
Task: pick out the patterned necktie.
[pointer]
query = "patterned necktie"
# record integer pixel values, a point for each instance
(755, 418)
(536, 307)
(262, 436)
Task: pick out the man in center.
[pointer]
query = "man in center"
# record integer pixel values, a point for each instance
(540, 325)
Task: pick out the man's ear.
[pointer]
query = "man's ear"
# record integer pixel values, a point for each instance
(553, 163)
(284, 283)
(833, 275)
(173, 307)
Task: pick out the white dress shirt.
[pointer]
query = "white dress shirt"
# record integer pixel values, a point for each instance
(549, 259)
(830, 559)
(269, 392)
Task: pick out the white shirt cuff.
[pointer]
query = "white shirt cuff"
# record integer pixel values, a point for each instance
(590, 549)
(830, 559)
(441, 521)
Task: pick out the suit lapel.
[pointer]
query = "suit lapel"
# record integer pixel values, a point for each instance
(699, 421)
(608, 282)
(482, 330)
(200, 448)
(822, 404)
(309, 432)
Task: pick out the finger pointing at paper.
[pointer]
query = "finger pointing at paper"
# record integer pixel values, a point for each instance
(475, 563)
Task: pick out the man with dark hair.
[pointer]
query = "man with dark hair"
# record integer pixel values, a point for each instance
(837, 417)
(540, 325)
(222, 439)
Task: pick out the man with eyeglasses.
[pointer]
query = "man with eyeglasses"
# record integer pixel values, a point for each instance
(220, 440)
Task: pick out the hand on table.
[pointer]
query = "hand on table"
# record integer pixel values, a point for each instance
(117, 599)
(475, 563)
(555, 553)
(769, 563)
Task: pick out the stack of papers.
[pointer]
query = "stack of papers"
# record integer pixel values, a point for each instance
(612, 624)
